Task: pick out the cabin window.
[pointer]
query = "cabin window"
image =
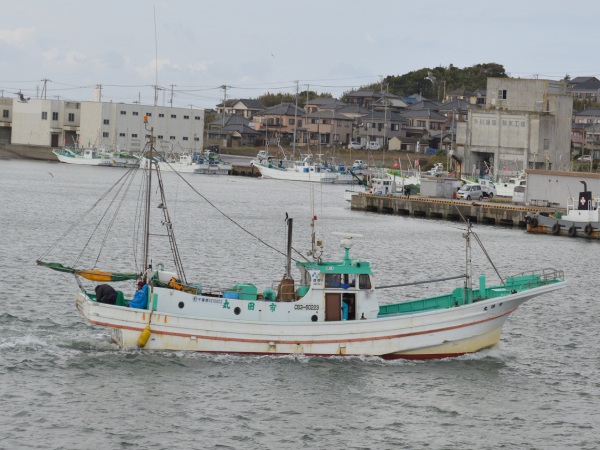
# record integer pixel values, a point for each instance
(364, 281)
(333, 280)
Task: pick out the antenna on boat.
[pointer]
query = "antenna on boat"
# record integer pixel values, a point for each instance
(346, 242)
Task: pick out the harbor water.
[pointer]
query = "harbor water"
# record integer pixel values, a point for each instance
(64, 385)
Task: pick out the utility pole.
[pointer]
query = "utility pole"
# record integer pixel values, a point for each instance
(43, 96)
(224, 87)
(172, 86)
(156, 95)
(295, 123)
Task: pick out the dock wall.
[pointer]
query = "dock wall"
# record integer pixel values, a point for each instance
(482, 212)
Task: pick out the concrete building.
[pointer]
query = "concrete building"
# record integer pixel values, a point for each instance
(42, 124)
(121, 125)
(525, 124)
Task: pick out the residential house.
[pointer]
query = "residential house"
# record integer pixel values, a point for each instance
(241, 107)
(278, 124)
(366, 97)
(231, 130)
(420, 123)
(587, 90)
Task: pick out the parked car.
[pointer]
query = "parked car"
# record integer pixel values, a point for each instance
(355, 145)
(488, 188)
(470, 192)
(585, 158)
(373, 145)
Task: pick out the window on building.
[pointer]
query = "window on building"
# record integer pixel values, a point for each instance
(54, 116)
(196, 139)
(161, 115)
(5, 113)
(173, 116)
(395, 127)
(421, 123)
(149, 114)
(134, 135)
(299, 123)
(186, 117)
(135, 113)
(314, 121)
(185, 138)
(160, 136)
(105, 134)
(336, 138)
(106, 121)
(44, 115)
(292, 121)
(325, 121)
(196, 117)
(71, 117)
(502, 94)
(123, 113)
(172, 138)
(122, 134)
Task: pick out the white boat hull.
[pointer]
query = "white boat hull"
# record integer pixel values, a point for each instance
(107, 162)
(296, 174)
(425, 335)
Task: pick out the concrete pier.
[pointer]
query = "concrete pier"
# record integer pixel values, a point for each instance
(484, 212)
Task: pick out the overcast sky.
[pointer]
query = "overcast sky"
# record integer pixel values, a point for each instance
(262, 46)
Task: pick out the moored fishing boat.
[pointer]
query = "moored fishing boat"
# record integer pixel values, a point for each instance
(582, 218)
(84, 157)
(306, 169)
(328, 308)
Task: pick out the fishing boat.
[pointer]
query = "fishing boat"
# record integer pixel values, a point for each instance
(582, 218)
(306, 169)
(506, 188)
(121, 158)
(326, 308)
(86, 157)
(210, 163)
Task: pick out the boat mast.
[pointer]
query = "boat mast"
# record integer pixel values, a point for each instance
(468, 267)
(288, 267)
(150, 158)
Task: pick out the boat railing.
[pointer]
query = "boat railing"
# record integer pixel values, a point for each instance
(535, 278)
(592, 204)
